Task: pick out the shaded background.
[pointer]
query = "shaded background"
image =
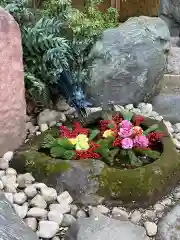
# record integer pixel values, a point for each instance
(128, 8)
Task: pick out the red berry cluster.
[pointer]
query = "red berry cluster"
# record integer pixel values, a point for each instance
(85, 154)
(65, 132)
(154, 137)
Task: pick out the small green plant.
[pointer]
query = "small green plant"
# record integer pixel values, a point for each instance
(57, 37)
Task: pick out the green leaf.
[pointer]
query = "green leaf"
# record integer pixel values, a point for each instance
(65, 143)
(150, 129)
(149, 153)
(110, 125)
(48, 141)
(93, 134)
(123, 152)
(127, 115)
(133, 159)
(57, 152)
(68, 155)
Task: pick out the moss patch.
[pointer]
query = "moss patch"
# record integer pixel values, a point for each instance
(144, 185)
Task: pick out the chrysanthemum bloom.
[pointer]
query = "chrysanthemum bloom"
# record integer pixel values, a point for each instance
(125, 132)
(125, 124)
(127, 143)
(141, 141)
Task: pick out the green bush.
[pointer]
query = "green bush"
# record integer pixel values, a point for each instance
(55, 36)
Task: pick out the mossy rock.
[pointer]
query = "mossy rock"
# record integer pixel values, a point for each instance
(91, 181)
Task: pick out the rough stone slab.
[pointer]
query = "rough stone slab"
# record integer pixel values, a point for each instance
(12, 97)
(169, 226)
(12, 226)
(101, 227)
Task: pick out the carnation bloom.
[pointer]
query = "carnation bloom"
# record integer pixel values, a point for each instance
(125, 124)
(108, 133)
(137, 130)
(141, 141)
(125, 132)
(127, 143)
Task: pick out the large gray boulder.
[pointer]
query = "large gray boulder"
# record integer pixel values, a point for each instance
(129, 61)
(11, 225)
(168, 106)
(169, 11)
(101, 227)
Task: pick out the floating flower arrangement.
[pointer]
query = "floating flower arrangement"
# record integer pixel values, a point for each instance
(119, 140)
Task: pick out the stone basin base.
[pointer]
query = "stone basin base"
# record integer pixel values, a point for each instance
(94, 182)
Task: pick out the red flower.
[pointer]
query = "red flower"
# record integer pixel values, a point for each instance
(65, 132)
(117, 142)
(138, 120)
(154, 137)
(117, 119)
(85, 154)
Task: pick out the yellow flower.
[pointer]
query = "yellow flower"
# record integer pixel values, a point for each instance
(108, 133)
(73, 141)
(82, 142)
(82, 138)
(82, 146)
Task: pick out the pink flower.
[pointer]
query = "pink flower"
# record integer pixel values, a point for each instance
(141, 141)
(125, 132)
(127, 143)
(125, 124)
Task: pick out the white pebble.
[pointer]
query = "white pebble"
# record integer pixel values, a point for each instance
(47, 229)
(176, 142)
(81, 213)
(37, 212)
(135, 216)
(159, 207)
(38, 201)
(20, 198)
(74, 210)
(10, 188)
(55, 217)
(61, 208)
(68, 220)
(8, 156)
(25, 179)
(31, 222)
(166, 202)
(1, 185)
(11, 171)
(44, 127)
(3, 164)
(119, 214)
(102, 209)
(129, 106)
(151, 228)
(9, 197)
(2, 173)
(21, 210)
(39, 186)
(151, 215)
(176, 127)
(65, 197)
(177, 195)
(30, 191)
(49, 194)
